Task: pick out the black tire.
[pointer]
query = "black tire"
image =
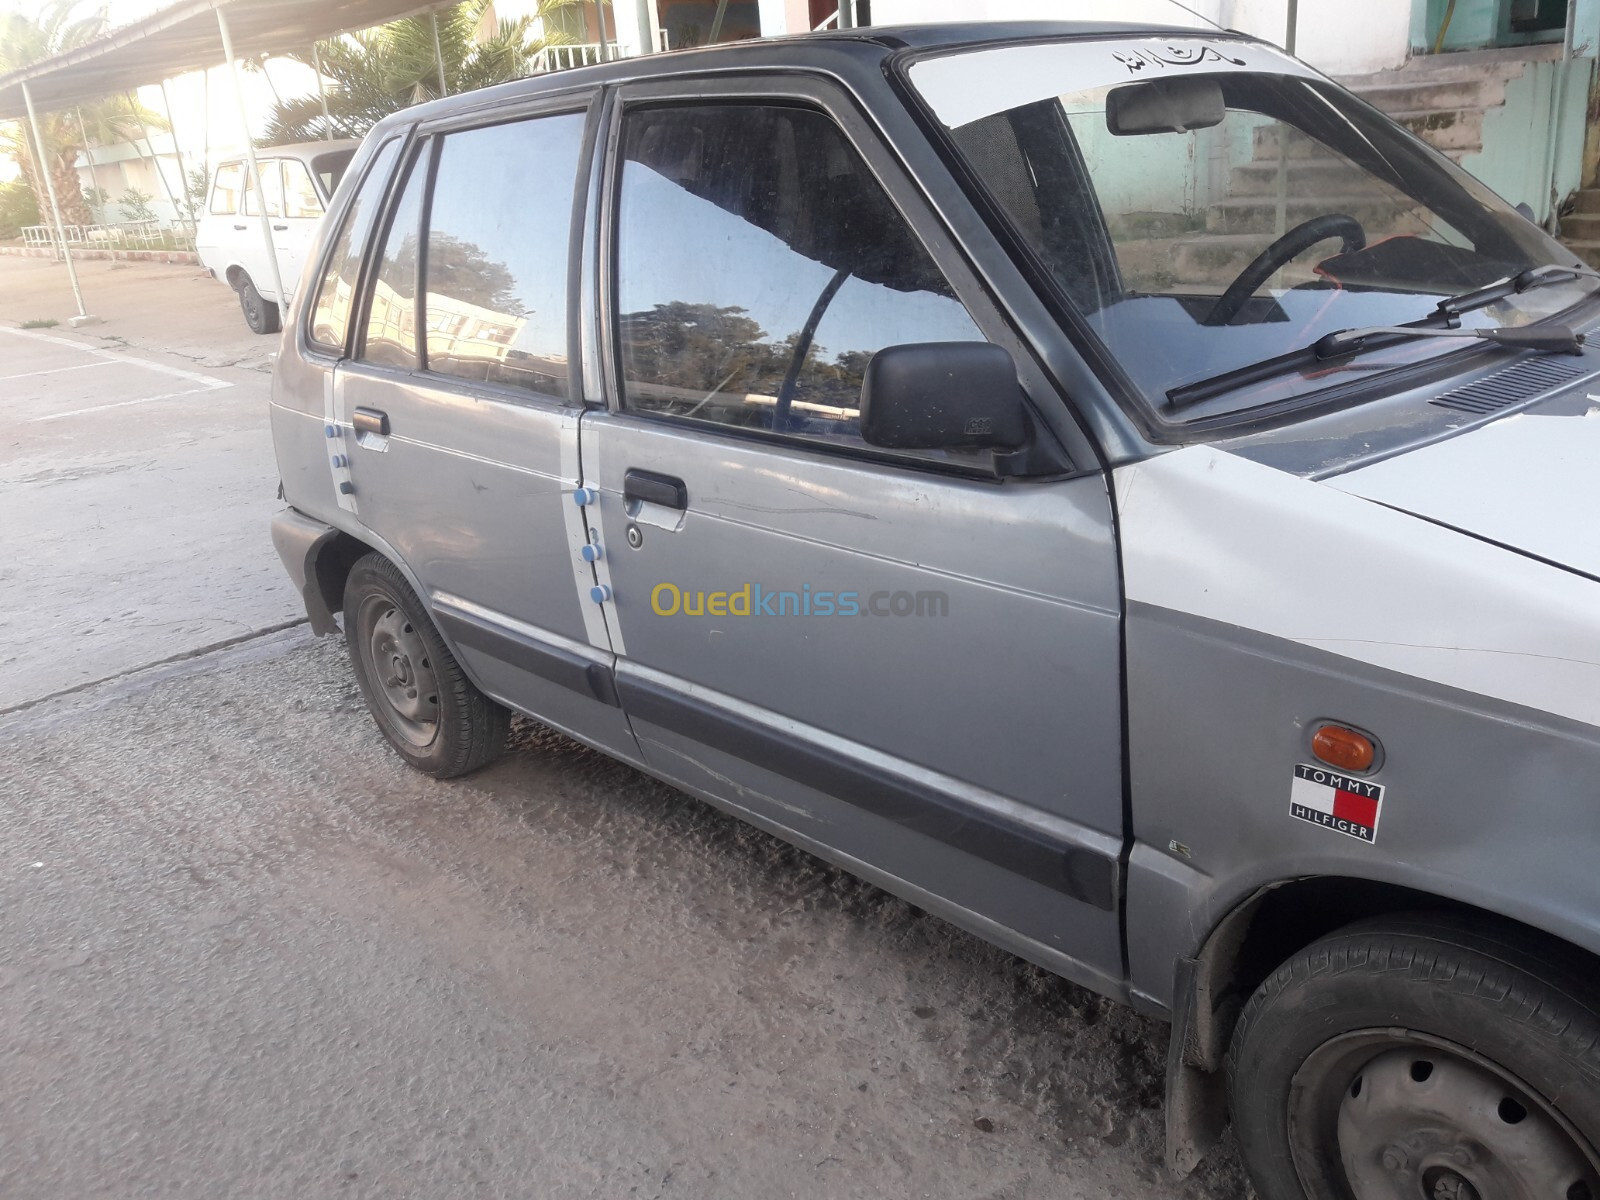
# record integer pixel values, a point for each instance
(261, 315)
(1345, 1054)
(424, 704)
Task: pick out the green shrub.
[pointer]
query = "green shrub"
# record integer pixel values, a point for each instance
(17, 208)
(136, 206)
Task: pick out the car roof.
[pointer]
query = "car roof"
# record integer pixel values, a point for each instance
(310, 150)
(804, 50)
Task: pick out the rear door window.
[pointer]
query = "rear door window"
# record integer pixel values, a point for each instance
(228, 191)
(495, 296)
(272, 185)
(330, 314)
(300, 197)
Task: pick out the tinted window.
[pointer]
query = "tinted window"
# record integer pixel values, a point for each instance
(272, 185)
(229, 188)
(391, 320)
(496, 291)
(330, 316)
(760, 266)
(299, 195)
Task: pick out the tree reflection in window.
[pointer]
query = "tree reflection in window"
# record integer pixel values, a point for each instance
(760, 266)
(495, 296)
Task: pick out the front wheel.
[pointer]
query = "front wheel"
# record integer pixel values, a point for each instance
(423, 702)
(1420, 1058)
(259, 313)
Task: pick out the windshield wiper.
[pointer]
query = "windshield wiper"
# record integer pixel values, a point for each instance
(1511, 285)
(1549, 339)
(1443, 321)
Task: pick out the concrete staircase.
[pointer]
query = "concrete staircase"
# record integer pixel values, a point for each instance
(1441, 99)
(1580, 229)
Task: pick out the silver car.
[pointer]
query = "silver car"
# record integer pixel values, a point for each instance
(1106, 485)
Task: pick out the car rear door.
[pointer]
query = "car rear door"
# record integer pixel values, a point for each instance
(901, 661)
(293, 232)
(457, 399)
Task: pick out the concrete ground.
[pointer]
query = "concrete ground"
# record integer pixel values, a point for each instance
(248, 953)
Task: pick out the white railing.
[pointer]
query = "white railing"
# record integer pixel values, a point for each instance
(579, 54)
(117, 235)
(586, 54)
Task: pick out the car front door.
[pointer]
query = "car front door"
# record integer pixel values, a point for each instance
(462, 431)
(902, 662)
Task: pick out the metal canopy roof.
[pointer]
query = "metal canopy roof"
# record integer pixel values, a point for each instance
(184, 38)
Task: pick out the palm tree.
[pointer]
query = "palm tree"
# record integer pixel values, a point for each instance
(379, 71)
(26, 39)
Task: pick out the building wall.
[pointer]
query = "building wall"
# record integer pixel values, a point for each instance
(1336, 36)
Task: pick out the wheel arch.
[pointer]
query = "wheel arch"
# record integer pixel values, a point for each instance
(331, 568)
(1242, 949)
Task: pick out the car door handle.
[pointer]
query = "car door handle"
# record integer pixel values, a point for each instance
(665, 490)
(280, 228)
(370, 420)
(241, 228)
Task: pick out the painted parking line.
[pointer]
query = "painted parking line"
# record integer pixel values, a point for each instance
(54, 370)
(79, 412)
(198, 383)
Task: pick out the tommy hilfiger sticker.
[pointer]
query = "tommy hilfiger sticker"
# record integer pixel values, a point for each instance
(1336, 801)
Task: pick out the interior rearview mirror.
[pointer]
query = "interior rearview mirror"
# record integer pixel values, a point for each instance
(1165, 106)
(943, 396)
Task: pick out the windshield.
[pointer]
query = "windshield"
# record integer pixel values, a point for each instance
(1210, 204)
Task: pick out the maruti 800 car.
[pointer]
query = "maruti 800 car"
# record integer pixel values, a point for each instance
(1106, 485)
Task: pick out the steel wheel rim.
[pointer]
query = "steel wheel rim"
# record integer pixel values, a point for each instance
(401, 669)
(1460, 1127)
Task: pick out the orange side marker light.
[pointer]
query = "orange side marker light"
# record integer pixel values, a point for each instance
(1343, 748)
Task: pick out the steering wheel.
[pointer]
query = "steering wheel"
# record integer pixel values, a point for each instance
(1264, 265)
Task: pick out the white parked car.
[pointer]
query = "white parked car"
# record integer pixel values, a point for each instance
(298, 181)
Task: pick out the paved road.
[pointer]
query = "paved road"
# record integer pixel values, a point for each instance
(136, 480)
(248, 953)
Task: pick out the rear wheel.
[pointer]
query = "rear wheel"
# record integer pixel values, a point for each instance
(1420, 1058)
(260, 314)
(423, 702)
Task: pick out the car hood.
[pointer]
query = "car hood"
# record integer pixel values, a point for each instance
(1528, 482)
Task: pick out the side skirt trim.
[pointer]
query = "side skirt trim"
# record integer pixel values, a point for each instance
(569, 667)
(1081, 872)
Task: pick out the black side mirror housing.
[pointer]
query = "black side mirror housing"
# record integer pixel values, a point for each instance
(943, 396)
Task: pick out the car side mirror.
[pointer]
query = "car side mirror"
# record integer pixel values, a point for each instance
(943, 396)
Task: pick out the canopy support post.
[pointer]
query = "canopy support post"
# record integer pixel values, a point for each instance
(83, 317)
(600, 17)
(438, 54)
(186, 213)
(322, 93)
(250, 160)
(155, 162)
